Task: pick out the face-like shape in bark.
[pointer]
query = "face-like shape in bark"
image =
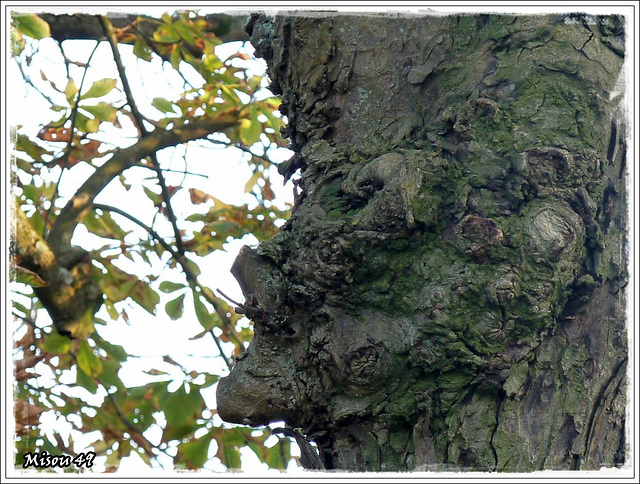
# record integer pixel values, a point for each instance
(399, 273)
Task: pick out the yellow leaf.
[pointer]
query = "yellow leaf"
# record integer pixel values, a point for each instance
(70, 91)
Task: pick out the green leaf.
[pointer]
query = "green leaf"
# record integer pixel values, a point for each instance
(20, 307)
(70, 91)
(175, 307)
(85, 325)
(267, 108)
(255, 83)
(166, 34)
(168, 286)
(274, 455)
(32, 25)
(203, 244)
(146, 297)
(102, 111)
(182, 408)
(111, 309)
(196, 452)
(88, 362)
(86, 124)
(179, 432)
(103, 226)
(248, 187)
(193, 267)
(153, 196)
(116, 352)
(142, 50)
(100, 88)
(85, 381)
(57, 344)
(210, 379)
(25, 276)
(163, 105)
(202, 313)
(109, 375)
(229, 95)
(175, 57)
(185, 31)
(250, 130)
(30, 147)
(212, 62)
(230, 455)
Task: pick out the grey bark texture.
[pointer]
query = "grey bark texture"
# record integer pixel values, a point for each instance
(449, 291)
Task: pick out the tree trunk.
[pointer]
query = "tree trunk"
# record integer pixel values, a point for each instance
(448, 293)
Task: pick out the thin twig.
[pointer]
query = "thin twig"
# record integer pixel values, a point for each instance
(218, 344)
(152, 45)
(29, 81)
(77, 206)
(26, 319)
(130, 425)
(111, 36)
(181, 171)
(244, 148)
(113, 42)
(67, 153)
(180, 256)
(187, 270)
(228, 298)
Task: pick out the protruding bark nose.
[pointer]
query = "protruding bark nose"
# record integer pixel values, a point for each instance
(239, 398)
(244, 398)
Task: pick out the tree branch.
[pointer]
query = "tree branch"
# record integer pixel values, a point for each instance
(191, 277)
(228, 28)
(60, 235)
(113, 42)
(68, 295)
(244, 149)
(67, 153)
(142, 441)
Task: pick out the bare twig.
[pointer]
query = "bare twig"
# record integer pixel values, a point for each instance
(110, 33)
(67, 153)
(111, 36)
(188, 272)
(180, 254)
(243, 148)
(29, 81)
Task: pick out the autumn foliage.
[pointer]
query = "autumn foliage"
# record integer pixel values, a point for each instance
(98, 132)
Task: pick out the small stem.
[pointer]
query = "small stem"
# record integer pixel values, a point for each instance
(228, 298)
(188, 272)
(244, 148)
(113, 42)
(111, 36)
(65, 156)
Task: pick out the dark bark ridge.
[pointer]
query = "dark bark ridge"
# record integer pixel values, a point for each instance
(448, 291)
(81, 26)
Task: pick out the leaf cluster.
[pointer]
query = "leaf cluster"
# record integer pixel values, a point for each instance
(150, 258)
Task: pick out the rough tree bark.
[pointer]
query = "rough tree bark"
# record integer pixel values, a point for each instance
(448, 293)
